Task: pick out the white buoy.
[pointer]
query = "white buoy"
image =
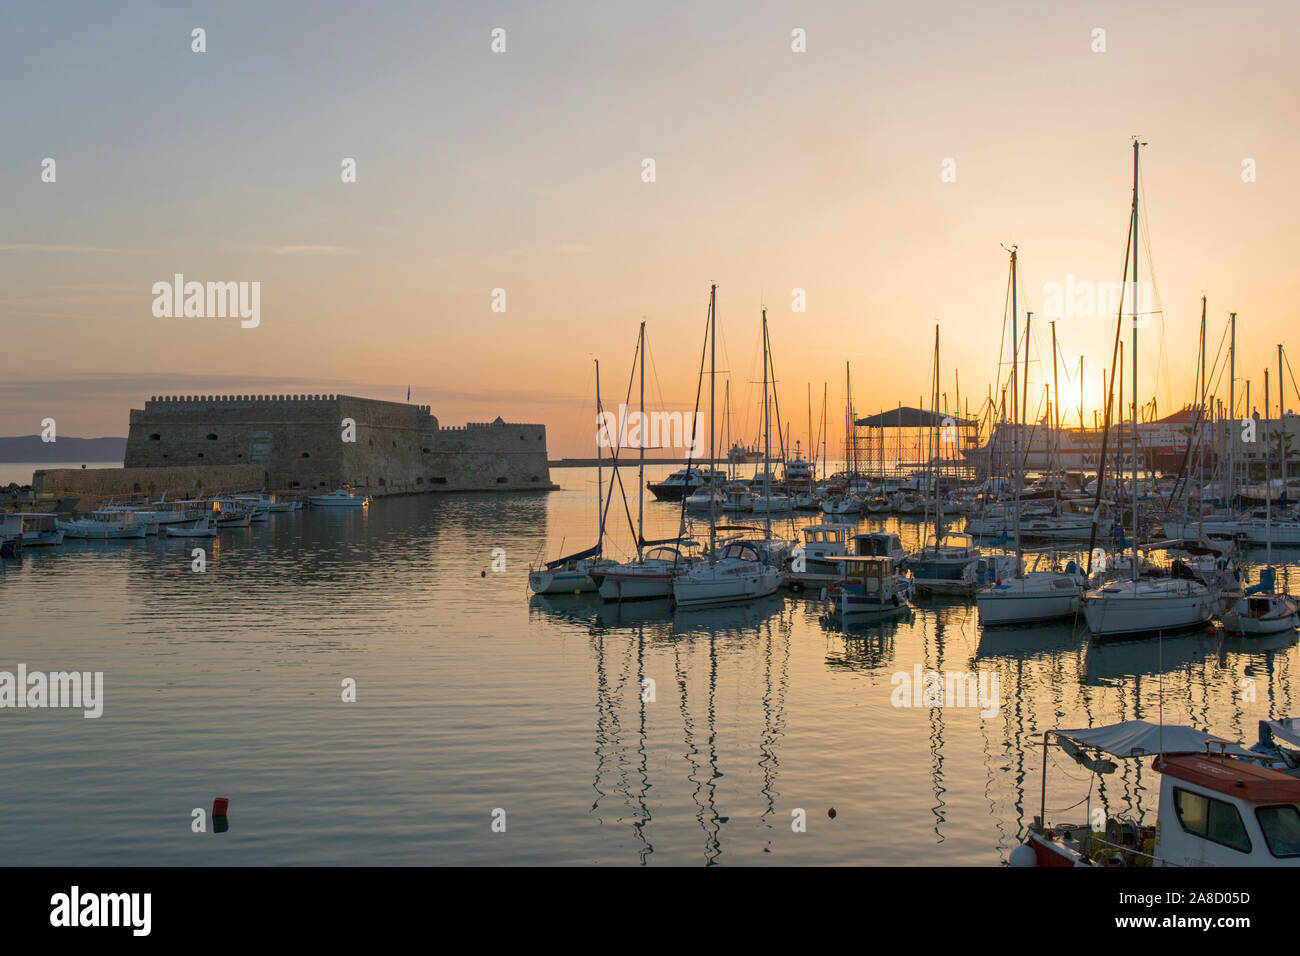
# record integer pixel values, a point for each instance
(1023, 855)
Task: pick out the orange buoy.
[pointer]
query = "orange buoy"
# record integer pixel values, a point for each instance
(219, 806)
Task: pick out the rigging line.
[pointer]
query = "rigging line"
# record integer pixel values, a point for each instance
(1110, 395)
(1286, 358)
(618, 443)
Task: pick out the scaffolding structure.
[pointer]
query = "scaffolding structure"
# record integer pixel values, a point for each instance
(898, 443)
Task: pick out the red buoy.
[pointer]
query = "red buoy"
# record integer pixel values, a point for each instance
(831, 813)
(219, 806)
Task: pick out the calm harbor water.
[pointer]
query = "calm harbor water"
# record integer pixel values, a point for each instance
(474, 696)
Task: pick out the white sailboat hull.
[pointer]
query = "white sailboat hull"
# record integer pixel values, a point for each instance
(1028, 600)
(1152, 607)
(718, 585)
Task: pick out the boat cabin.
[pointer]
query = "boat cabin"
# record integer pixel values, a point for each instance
(1217, 810)
(878, 544)
(1220, 804)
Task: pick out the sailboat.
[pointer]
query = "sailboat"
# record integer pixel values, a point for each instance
(950, 563)
(572, 574)
(651, 574)
(1036, 596)
(1143, 605)
(740, 570)
(1260, 610)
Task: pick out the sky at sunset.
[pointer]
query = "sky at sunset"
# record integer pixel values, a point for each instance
(522, 170)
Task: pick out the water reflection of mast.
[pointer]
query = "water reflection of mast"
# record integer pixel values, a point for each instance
(773, 724)
(707, 815)
(643, 812)
(936, 726)
(609, 737)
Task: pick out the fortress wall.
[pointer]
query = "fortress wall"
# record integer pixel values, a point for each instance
(296, 441)
(493, 456)
(393, 443)
(177, 481)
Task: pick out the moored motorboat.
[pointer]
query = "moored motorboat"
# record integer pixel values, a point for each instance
(1219, 804)
(340, 498)
(204, 527)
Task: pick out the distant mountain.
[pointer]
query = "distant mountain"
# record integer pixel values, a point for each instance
(26, 448)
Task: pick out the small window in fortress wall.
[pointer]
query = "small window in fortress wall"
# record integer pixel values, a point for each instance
(306, 454)
(419, 480)
(535, 479)
(212, 436)
(438, 480)
(155, 437)
(502, 480)
(382, 482)
(424, 450)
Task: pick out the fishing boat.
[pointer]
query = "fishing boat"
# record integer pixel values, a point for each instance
(870, 587)
(33, 529)
(104, 525)
(1261, 611)
(1219, 805)
(340, 498)
(204, 527)
(822, 545)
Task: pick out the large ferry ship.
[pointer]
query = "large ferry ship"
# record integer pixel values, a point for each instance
(1162, 445)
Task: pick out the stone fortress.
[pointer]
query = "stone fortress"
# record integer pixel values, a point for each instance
(196, 444)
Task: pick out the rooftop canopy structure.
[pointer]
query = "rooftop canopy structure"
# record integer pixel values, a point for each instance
(906, 417)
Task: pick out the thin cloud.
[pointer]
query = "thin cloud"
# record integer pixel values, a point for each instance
(44, 247)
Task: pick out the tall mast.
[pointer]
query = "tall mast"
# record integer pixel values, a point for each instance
(767, 439)
(1281, 420)
(1136, 232)
(1056, 415)
(934, 440)
(848, 427)
(640, 497)
(812, 454)
(826, 424)
(1024, 389)
(600, 472)
(713, 374)
(726, 416)
(1015, 403)
(1200, 440)
(1268, 491)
